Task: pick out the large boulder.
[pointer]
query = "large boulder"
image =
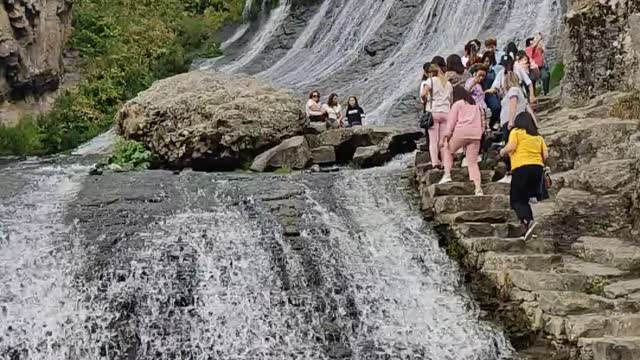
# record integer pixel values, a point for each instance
(292, 153)
(210, 121)
(370, 156)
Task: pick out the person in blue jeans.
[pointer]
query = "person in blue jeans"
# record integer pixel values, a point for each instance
(491, 99)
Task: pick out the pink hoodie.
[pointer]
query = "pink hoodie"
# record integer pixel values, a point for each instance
(465, 121)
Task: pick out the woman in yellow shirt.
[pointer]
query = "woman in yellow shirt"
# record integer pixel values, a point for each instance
(528, 152)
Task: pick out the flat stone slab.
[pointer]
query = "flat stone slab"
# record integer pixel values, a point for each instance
(619, 348)
(467, 188)
(574, 265)
(456, 203)
(564, 303)
(507, 230)
(493, 261)
(600, 325)
(488, 216)
(457, 175)
(498, 244)
(608, 251)
(622, 288)
(323, 155)
(537, 281)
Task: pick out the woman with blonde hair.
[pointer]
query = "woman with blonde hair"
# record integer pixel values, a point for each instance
(436, 95)
(513, 103)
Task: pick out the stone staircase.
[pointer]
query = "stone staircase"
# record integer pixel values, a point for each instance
(582, 303)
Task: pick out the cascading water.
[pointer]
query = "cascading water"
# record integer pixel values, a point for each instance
(375, 49)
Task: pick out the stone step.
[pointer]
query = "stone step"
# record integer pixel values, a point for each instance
(433, 176)
(622, 288)
(487, 216)
(456, 203)
(574, 265)
(467, 188)
(495, 261)
(498, 244)
(506, 230)
(546, 281)
(563, 303)
(599, 325)
(608, 251)
(610, 348)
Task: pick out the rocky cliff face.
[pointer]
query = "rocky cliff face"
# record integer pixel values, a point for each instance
(32, 38)
(603, 38)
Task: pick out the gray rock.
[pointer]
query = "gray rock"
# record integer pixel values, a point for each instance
(210, 121)
(370, 156)
(315, 127)
(323, 155)
(292, 153)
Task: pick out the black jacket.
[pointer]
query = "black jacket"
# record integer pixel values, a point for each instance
(355, 115)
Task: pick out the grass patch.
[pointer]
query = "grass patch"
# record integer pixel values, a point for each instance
(125, 46)
(596, 286)
(627, 107)
(131, 155)
(283, 170)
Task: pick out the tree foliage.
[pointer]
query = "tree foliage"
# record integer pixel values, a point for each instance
(125, 46)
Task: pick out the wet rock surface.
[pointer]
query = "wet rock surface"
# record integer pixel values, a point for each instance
(199, 263)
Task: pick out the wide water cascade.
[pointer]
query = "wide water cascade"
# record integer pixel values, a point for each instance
(375, 49)
(205, 266)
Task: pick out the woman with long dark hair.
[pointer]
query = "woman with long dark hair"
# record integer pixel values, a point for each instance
(528, 153)
(492, 100)
(355, 114)
(465, 125)
(334, 112)
(436, 95)
(456, 72)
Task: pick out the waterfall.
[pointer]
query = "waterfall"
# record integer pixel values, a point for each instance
(375, 49)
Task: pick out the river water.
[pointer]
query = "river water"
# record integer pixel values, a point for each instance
(152, 265)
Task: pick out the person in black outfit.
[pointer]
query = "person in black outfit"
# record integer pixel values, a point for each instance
(355, 114)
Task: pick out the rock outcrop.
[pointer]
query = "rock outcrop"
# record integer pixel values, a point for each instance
(570, 292)
(209, 121)
(292, 154)
(33, 34)
(602, 39)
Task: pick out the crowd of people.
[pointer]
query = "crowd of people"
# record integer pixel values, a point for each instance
(470, 101)
(484, 93)
(331, 111)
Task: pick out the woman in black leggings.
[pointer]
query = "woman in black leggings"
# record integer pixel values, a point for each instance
(528, 152)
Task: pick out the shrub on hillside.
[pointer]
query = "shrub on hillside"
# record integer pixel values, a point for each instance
(131, 155)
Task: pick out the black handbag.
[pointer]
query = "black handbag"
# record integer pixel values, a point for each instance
(426, 117)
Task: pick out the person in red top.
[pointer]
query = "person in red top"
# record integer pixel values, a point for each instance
(535, 51)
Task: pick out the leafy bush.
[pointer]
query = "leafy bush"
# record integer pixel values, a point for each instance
(596, 286)
(627, 107)
(131, 155)
(21, 139)
(125, 46)
(556, 74)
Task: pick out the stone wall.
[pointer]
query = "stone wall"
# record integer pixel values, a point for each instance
(33, 34)
(602, 38)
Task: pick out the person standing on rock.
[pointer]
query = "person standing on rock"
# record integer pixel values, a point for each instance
(465, 125)
(535, 51)
(513, 103)
(313, 108)
(355, 114)
(492, 100)
(334, 112)
(436, 95)
(528, 153)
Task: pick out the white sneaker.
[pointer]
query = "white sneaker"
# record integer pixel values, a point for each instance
(480, 158)
(505, 180)
(464, 162)
(532, 226)
(445, 179)
(533, 200)
(479, 192)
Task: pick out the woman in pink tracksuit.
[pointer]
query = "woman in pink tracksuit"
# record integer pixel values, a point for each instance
(464, 128)
(436, 95)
